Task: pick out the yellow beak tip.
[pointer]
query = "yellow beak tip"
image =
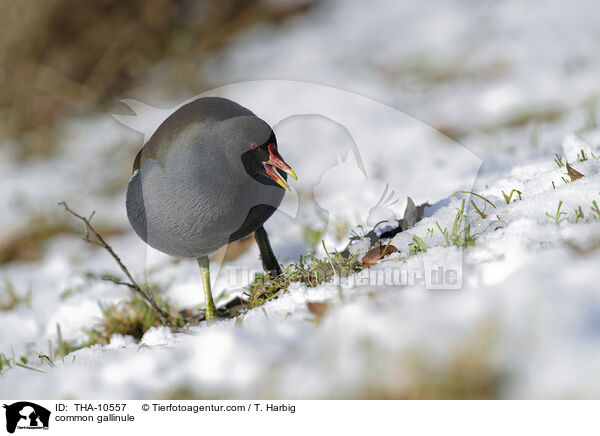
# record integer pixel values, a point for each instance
(283, 184)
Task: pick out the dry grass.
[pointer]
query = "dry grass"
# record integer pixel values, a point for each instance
(309, 270)
(132, 317)
(67, 56)
(11, 299)
(25, 241)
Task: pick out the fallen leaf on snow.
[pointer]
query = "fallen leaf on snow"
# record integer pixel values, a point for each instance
(573, 173)
(377, 252)
(317, 309)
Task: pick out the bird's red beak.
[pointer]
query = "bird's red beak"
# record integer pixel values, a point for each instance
(276, 161)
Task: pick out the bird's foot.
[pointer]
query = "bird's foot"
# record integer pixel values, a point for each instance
(274, 273)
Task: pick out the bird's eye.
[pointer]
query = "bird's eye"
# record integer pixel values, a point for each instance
(253, 145)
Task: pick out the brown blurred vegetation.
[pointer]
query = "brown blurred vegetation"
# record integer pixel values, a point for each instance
(60, 57)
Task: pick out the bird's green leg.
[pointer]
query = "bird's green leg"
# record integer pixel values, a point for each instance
(269, 261)
(211, 311)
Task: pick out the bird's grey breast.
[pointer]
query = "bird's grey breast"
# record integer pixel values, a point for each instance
(190, 200)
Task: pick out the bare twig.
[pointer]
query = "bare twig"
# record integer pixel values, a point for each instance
(116, 281)
(98, 240)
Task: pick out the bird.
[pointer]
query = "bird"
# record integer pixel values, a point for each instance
(210, 174)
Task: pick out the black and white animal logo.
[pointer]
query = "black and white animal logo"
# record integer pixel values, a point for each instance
(26, 415)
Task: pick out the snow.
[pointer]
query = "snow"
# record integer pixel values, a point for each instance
(365, 90)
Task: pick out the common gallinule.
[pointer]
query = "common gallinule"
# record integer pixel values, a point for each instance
(211, 174)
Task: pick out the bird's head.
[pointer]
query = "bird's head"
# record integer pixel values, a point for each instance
(260, 155)
(273, 165)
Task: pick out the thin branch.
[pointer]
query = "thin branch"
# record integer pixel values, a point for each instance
(116, 281)
(98, 240)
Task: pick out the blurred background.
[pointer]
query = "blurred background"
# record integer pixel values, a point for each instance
(65, 60)
(480, 72)
(508, 80)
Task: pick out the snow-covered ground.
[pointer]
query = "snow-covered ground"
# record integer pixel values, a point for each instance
(352, 92)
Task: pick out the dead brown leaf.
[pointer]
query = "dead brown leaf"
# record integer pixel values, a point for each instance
(573, 173)
(376, 253)
(318, 309)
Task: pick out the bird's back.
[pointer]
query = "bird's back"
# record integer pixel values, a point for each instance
(184, 198)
